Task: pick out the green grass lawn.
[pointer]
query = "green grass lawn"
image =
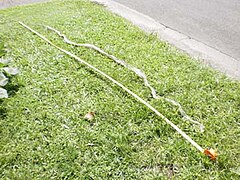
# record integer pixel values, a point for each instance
(42, 129)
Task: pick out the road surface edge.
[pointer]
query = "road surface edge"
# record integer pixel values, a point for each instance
(206, 54)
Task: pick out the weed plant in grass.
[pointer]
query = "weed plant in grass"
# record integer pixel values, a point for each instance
(42, 127)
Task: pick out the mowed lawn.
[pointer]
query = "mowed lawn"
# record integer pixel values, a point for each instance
(42, 130)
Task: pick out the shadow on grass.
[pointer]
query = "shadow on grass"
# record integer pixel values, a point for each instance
(12, 89)
(3, 110)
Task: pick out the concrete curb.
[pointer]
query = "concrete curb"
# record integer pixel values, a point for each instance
(208, 55)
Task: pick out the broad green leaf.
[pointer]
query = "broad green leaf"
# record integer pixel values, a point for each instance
(3, 93)
(3, 79)
(4, 61)
(10, 70)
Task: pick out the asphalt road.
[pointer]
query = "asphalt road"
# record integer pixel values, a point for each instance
(215, 23)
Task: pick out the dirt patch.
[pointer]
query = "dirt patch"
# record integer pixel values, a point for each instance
(10, 3)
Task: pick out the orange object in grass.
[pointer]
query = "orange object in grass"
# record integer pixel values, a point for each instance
(89, 115)
(211, 153)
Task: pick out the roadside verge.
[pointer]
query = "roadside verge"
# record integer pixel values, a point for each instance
(206, 54)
